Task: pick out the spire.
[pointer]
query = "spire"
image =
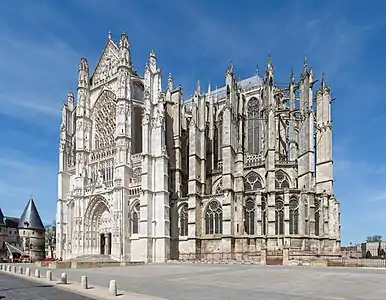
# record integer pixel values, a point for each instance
(124, 41)
(109, 35)
(1, 217)
(30, 218)
(323, 84)
(305, 64)
(230, 69)
(153, 61)
(83, 65)
(70, 99)
(152, 54)
(209, 88)
(198, 89)
(292, 76)
(170, 82)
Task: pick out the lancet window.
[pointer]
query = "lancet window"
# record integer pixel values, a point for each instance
(317, 217)
(279, 216)
(249, 216)
(213, 218)
(294, 216)
(135, 219)
(252, 182)
(253, 114)
(264, 216)
(218, 129)
(281, 180)
(184, 220)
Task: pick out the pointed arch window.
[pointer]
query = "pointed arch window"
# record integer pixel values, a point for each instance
(252, 182)
(294, 216)
(253, 126)
(213, 218)
(184, 220)
(135, 219)
(249, 216)
(281, 180)
(279, 216)
(264, 216)
(317, 217)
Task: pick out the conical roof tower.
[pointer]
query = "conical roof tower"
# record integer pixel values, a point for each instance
(30, 218)
(1, 217)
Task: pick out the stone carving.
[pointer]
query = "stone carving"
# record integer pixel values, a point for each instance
(159, 114)
(137, 173)
(123, 84)
(147, 109)
(81, 98)
(107, 65)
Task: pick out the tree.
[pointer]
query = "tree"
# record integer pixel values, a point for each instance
(374, 239)
(51, 237)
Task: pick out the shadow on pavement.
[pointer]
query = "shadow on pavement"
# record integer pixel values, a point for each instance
(25, 287)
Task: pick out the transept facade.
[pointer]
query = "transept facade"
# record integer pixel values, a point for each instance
(146, 175)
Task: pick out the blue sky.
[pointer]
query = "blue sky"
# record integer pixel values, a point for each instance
(41, 43)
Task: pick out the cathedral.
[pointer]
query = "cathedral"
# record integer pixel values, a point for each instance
(148, 176)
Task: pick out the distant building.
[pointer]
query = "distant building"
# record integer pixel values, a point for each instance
(374, 250)
(352, 251)
(26, 233)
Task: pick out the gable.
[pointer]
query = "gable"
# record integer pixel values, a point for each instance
(106, 68)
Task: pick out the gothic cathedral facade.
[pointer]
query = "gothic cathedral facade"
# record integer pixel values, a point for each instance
(145, 175)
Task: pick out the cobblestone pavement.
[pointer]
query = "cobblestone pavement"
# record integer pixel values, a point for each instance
(14, 288)
(218, 282)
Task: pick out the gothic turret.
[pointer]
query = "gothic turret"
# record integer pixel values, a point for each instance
(30, 218)
(293, 155)
(306, 130)
(31, 232)
(324, 170)
(124, 51)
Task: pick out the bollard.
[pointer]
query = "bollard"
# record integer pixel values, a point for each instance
(28, 272)
(1, 267)
(9, 268)
(63, 278)
(37, 273)
(49, 275)
(84, 282)
(13, 269)
(113, 288)
(20, 270)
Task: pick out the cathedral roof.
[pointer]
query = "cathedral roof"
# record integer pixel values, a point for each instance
(11, 222)
(30, 218)
(249, 82)
(1, 218)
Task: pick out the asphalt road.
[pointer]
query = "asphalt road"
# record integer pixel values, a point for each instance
(15, 288)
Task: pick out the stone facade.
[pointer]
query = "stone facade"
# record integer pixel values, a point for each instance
(145, 175)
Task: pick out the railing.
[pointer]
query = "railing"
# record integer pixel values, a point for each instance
(253, 160)
(137, 159)
(358, 262)
(102, 153)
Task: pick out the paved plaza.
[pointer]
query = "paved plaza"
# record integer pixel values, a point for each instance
(15, 288)
(219, 282)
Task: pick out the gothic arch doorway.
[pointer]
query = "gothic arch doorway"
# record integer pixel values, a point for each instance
(98, 226)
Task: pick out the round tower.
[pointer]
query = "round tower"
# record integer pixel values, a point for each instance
(32, 232)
